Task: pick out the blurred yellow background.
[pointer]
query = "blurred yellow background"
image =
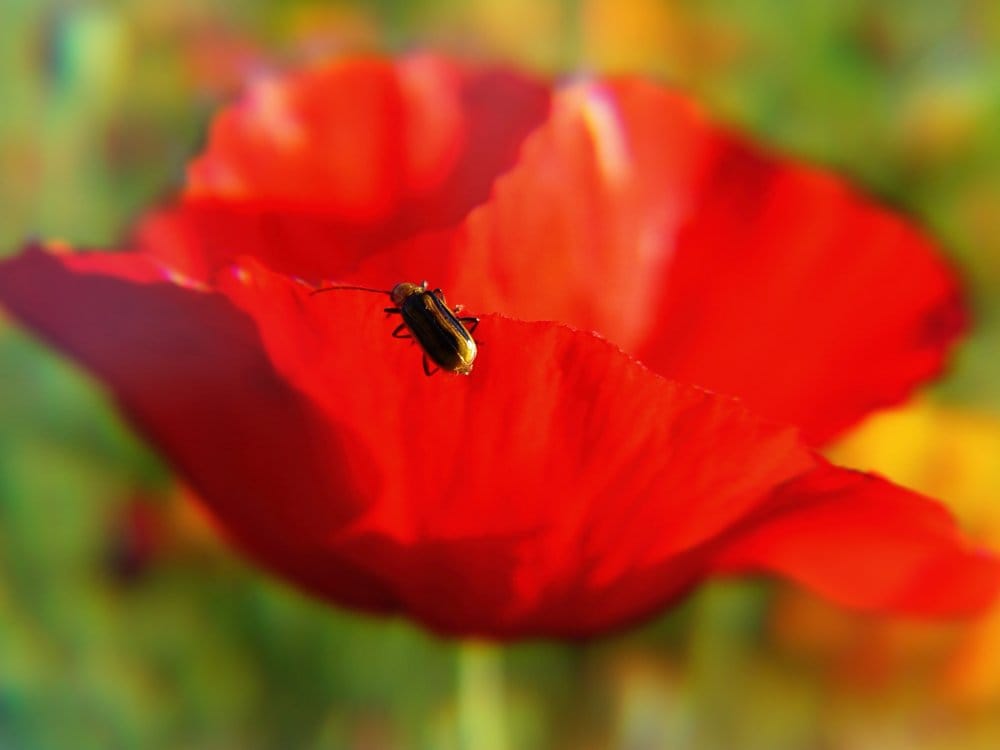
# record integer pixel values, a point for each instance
(123, 623)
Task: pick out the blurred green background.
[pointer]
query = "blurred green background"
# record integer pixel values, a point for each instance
(124, 623)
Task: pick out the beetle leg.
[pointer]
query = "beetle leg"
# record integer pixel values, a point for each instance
(427, 368)
(457, 309)
(392, 311)
(473, 323)
(396, 334)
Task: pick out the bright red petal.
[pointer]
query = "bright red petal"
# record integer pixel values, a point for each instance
(582, 507)
(630, 214)
(802, 297)
(866, 543)
(561, 489)
(313, 170)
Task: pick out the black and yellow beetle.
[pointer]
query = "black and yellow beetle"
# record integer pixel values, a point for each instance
(427, 319)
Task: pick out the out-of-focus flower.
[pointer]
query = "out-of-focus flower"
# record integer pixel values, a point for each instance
(149, 529)
(564, 488)
(631, 33)
(136, 537)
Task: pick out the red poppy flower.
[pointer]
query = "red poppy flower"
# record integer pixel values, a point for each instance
(567, 486)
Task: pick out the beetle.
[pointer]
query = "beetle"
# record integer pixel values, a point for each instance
(427, 319)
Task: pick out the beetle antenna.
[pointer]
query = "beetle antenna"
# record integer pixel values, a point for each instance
(353, 288)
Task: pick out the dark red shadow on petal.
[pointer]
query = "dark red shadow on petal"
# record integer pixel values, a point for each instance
(189, 371)
(199, 237)
(312, 171)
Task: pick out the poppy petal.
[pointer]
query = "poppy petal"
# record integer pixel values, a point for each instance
(312, 170)
(577, 397)
(869, 544)
(714, 263)
(590, 506)
(828, 307)
(562, 489)
(189, 371)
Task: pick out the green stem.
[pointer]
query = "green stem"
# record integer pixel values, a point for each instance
(481, 709)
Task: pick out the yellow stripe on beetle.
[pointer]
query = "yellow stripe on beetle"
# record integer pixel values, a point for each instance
(427, 319)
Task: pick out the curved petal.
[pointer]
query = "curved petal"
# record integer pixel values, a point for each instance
(313, 170)
(571, 409)
(828, 307)
(866, 543)
(562, 489)
(630, 214)
(191, 374)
